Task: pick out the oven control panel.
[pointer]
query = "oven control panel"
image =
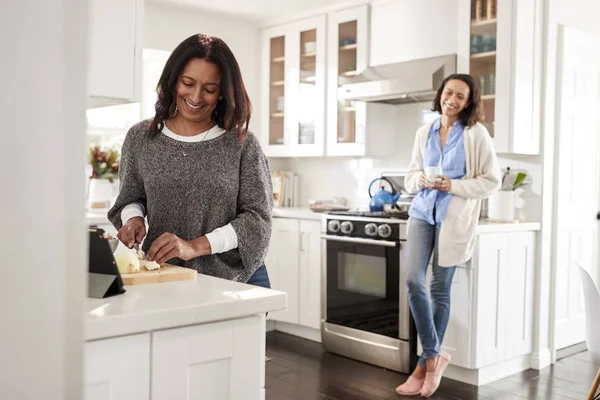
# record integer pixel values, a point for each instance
(368, 228)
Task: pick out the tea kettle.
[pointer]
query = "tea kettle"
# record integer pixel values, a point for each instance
(382, 196)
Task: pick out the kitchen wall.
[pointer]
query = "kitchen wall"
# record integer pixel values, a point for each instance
(323, 178)
(166, 27)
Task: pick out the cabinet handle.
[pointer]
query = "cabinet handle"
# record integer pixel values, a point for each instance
(301, 241)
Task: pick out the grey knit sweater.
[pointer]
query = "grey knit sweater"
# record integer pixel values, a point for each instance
(190, 189)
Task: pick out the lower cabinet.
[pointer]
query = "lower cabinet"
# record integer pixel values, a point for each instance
(224, 360)
(216, 361)
(294, 266)
(492, 302)
(118, 368)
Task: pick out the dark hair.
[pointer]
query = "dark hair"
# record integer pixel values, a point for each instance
(473, 113)
(232, 112)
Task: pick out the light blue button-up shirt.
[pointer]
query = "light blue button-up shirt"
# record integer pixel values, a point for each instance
(452, 159)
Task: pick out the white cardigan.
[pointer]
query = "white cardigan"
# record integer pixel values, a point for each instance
(483, 178)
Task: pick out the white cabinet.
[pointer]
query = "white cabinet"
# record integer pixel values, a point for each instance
(347, 56)
(118, 369)
(492, 303)
(293, 82)
(115, 51)
(505, 57)
(303, 65)
(294, 266)
(404, 30)
(282, 265)
(216, 361)
(309, 274)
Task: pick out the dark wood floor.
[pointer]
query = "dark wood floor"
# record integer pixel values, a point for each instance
(300, 370)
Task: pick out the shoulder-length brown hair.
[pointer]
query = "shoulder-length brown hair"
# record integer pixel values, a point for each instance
(233, 111)
(473, 112)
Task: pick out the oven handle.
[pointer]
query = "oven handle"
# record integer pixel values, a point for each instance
(384, 243)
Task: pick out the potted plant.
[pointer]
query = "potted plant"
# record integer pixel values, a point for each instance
(104, 171)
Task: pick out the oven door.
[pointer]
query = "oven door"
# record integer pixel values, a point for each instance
(362, 284)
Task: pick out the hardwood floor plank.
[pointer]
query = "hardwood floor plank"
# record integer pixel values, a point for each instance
(302, 370)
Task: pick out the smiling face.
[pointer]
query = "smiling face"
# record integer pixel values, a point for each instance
(198, 89)
(455, 98)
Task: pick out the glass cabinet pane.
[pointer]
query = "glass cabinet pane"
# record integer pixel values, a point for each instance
(483, 54)
(277, 81)
(346, 69)
(307, 101)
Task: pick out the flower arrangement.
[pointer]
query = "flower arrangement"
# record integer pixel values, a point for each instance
(105, 163)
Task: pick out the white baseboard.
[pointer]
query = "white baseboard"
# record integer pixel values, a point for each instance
(295, 330)
(540, 360)
(490, 373)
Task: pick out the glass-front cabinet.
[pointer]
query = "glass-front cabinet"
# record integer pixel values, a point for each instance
(293, 109)
(505, 58)
(347, 57)
(484, 36)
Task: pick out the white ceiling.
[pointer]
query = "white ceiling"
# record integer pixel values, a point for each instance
(258, 11)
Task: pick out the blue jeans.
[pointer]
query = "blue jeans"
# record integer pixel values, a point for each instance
(431, 316)
(260, 278)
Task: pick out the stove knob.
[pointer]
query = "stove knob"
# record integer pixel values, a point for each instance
(333, 226)
(371, 229)
(347, 227)
(384, 230)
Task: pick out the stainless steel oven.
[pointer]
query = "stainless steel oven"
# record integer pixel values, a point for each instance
(365, 313)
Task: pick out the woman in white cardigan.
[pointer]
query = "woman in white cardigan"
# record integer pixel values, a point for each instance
(444, 215)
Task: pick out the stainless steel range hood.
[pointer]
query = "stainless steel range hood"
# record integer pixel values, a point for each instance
(406, 82)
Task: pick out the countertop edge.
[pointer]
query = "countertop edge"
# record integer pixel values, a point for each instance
(125, 325)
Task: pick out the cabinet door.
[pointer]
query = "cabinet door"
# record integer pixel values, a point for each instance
(118, 369)
(525, 139)
(457, 340)
(307, 80)
(284, 255)
(276, 52)
(490, 62)
(115, 58)
(518, 293)
(309, 274)
(215, 361)
(489, 307)
(347, 56)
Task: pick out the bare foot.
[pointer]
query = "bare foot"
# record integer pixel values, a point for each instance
(419, 372)
(431, 363)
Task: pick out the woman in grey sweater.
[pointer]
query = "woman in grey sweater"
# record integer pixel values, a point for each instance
(196, 172)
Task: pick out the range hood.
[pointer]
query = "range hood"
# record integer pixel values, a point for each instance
(399, 83)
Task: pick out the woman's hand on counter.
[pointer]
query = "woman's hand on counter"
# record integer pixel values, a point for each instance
(132, 232)
(169, 246)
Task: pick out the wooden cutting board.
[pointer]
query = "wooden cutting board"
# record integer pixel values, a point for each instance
(166, 273)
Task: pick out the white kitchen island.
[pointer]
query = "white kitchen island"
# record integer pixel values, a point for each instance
(202, 339)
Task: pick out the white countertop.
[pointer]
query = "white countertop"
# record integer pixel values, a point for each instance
(96, 217)
(150, 307)
(296, 212)
(486, 226)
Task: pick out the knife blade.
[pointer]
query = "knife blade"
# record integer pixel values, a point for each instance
(140, 252)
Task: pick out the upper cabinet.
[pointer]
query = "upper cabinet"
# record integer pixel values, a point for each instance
(293, 101)
(505, 58)
(115, 52)
(347, 55)
(304, 63)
